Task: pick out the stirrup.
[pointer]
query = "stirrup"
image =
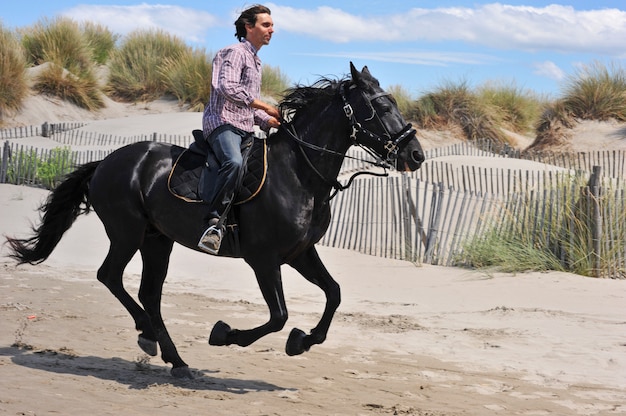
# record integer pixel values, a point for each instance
(211, 240)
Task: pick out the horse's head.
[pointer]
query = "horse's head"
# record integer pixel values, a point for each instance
(377, 124)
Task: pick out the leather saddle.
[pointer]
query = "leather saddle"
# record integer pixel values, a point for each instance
(186, 178)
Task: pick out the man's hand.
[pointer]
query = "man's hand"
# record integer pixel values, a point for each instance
(273, 122)
(273, 111)
(268, 108)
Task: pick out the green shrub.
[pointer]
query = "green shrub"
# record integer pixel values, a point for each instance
(57, 164)
(46, 169)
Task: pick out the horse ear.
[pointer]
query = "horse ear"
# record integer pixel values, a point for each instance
(356, 75)
(359, 77)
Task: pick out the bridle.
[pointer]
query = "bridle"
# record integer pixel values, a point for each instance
(362, 137)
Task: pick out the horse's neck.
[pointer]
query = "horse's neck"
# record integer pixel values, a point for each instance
(313, 164)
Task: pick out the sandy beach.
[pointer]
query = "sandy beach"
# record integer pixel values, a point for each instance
(407, 340)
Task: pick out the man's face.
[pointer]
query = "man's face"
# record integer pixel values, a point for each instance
(261, 33)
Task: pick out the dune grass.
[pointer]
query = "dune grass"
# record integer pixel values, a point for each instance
(80, 90)
(137, 66)
(515, 109)
(594, 92)
(552, 127)
(100, 40)
(70, 75)
(508, 255)
(456, 104)
(402, 97)
(13, 86)
(60, 41)
(188, 77)
(274, 82)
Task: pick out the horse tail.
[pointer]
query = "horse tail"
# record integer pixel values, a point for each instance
(64, 204)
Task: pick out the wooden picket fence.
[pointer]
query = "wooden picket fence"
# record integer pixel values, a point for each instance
(78, 138)
(425, 216)
(403, 217)
(45, 130)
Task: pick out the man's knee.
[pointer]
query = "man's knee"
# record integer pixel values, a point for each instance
(233, 164)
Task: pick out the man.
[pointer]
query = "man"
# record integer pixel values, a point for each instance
(233, 109)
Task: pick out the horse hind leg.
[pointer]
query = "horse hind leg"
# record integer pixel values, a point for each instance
(110, 274)
(155, 254)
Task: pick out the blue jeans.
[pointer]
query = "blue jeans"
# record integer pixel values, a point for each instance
(226, 144)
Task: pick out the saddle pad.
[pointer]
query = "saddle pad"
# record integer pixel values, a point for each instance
(185, 174)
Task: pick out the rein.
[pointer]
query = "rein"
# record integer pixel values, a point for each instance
(335, 184)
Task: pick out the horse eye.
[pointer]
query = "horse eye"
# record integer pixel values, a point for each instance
(386, 103)
(385, 107)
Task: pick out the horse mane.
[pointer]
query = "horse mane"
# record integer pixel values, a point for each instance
(300, 97)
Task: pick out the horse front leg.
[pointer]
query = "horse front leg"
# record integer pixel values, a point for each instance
(271, 285)
(309, 265)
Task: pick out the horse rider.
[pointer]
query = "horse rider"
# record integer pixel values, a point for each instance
(233, 109)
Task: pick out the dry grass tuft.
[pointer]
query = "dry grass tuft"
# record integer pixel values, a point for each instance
(594, 92)
(61, 44)
(137, 67)
(456, 104)
(188, 77)
(82, 91)
(13, 86)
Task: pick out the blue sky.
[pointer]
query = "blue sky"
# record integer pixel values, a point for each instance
(418, 45)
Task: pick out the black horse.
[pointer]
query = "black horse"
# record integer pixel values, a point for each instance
(128, 190)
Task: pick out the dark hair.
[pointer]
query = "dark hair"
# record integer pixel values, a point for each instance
(248, 17)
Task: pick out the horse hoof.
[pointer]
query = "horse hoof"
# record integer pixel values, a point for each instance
(295, 342)
(182, 372)
(148, 346)
(219, 334)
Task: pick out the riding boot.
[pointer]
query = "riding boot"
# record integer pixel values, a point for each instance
(211, 240)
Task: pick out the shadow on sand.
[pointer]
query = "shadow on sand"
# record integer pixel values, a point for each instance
(135, 374)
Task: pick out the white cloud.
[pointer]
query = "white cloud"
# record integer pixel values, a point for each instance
(553, 27)
(328, 23)
(549, 69)
(413, 58)
(188, 24)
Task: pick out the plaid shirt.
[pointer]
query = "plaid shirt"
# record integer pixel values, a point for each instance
(236, 82)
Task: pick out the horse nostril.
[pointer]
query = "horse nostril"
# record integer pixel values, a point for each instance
(417, 156)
